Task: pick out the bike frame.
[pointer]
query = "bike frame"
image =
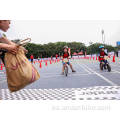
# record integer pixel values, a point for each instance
(66, 67)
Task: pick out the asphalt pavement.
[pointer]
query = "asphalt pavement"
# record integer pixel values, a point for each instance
(87, 75)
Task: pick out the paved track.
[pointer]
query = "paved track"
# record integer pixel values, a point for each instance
(88, 75)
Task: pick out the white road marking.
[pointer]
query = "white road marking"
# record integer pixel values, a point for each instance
(116, 71)
(83, 67)
(3, 81)
(108, 81)
(114, 65)
(57, 73)
(2, 72)
(64, 75)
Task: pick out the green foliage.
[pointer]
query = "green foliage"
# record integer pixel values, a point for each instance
(95, 48)
(51, 49)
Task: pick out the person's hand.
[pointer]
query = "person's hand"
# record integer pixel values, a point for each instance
(12, 49)
(25, 51)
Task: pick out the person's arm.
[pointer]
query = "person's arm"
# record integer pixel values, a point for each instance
(11, 48)
(6, 41)
(106, 54)
(68, 56)
(11, 45)
(62, 57)
(8, 45)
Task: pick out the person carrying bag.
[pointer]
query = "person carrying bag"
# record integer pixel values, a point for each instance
(19, 70)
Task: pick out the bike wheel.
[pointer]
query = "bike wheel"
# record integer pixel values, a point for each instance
(66, 71)
(109, 68)
(101, 66)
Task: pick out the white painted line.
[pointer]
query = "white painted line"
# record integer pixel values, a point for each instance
(114, 65)
(74, 74)
(65, 76)
(59, 73)
(3, 81)
(116, 71)
(108, 81)
(2, 72)
(83, 67)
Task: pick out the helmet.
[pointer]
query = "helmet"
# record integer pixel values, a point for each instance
(65, 47)
(101, 47)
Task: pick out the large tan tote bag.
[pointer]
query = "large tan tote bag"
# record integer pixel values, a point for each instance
(19, 70)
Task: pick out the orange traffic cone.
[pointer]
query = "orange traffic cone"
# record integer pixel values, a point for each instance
(113, 59)
(40, 65)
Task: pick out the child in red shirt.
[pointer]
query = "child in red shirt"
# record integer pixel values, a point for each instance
(101, 57)
(66, 55)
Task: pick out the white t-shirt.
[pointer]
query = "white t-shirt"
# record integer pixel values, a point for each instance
(1, 35)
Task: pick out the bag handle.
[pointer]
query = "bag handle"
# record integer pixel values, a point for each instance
(24, 42)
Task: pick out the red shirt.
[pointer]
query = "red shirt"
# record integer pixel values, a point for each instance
(102, 54)
(31, 56)
(65, 55)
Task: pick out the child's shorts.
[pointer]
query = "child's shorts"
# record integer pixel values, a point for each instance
(67, 63)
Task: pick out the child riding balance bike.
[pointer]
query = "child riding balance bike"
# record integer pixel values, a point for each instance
(103, 59)
(65, 60)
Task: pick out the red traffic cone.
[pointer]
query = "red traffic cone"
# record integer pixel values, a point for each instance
(1, 67)
(96, 57)
(93, 58)
(46, 63)
(34, 62)
(40, 65)
(55, 60)
(113, 59)
(50, 62)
